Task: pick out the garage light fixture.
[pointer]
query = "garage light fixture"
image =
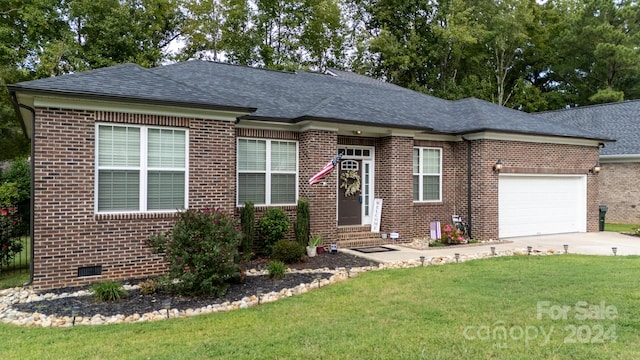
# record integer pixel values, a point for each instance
(498, 166)
(595, 169)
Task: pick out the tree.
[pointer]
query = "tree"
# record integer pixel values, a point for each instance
(109, 32)
(599, 50)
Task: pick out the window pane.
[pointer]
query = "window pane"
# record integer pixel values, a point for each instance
(416, 161)
(416, 188)
(118, 146)
(165, 190)
(431, 161)
(251, 187)
(166, 148)
(431, 188)
(252, 155)
(283, 156)
(118, 190)
(283, 189)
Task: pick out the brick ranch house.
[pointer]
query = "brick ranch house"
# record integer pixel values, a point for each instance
(117, 150)
(620, 161)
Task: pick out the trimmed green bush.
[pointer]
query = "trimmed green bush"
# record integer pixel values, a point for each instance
(301, 227)
(202, 250)
(273, 226)
(108, 291)
(276, 270)
(287, 251)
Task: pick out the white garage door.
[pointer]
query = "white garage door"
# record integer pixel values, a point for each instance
(536, 205)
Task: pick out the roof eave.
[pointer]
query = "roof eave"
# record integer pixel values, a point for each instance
(359, 122)
(533, 133)
(14, 89)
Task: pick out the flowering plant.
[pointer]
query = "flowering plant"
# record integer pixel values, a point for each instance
(451, 235)
(10, 243)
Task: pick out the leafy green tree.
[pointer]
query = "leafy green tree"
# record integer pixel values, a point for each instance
(598, 50)
(109, 32)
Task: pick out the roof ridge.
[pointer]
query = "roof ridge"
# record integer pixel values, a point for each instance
(590, 106)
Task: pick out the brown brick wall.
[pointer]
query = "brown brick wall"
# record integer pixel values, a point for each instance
(525, 158)
(394, 184)
(619, 192)
(67, 233)
(453, 198)
(316, 148)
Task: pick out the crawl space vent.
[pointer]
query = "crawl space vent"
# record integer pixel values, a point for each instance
(90, 271)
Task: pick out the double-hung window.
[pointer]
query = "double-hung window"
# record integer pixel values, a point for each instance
(267, 171)
(141, 168)
(427, 174)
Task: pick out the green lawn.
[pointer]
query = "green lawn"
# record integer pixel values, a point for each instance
(627, 228)
(454, 311)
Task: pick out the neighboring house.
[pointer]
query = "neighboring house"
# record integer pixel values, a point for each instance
(620, 160)
(118, 150)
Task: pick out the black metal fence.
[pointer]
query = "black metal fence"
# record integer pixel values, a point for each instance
(21, 260)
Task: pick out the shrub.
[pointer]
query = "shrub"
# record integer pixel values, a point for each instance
(287, 251)
(147, 287)
(276, 270)
(201, 250)
(273, 226)
(15, 190)
(451, 235)
(10, 243)
(247, 218)
(108, 291)
(301, 227)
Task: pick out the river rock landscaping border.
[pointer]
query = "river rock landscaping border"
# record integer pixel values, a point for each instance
(14, 299)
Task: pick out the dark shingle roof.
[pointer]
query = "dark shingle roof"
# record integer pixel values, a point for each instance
(292, 96)
(620, 121)
(127, 81)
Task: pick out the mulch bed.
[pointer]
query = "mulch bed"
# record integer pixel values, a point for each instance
(135, 302)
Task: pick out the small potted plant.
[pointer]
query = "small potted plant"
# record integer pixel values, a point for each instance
(314, 243)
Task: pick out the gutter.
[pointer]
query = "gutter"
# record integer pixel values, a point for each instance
(620, 158)
(469, 192)
(32, 187)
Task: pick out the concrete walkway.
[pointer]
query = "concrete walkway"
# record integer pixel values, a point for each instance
(597, 243)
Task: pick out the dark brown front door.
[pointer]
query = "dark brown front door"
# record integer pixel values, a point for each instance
(349, 205)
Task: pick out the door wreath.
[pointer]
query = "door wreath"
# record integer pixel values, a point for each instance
(350, 181)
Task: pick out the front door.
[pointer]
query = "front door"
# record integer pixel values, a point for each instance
(350, 192)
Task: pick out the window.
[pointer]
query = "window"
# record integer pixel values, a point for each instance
(427, 174)
(141, 168)
(267, 171)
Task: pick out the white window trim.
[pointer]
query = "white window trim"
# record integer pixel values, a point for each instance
(267, 171)
(143, 168)
(421, 175)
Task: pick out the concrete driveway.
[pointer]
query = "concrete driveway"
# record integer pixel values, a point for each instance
(596, 243)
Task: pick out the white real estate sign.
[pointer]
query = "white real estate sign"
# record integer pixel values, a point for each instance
(377, 213)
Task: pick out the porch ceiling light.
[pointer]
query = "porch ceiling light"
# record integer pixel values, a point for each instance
(498, 166)
(357, 132)
(595, 169)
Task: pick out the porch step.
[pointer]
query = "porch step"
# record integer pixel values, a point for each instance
(359, 236)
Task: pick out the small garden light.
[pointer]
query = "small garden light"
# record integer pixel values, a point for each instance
(457, 255)
(259, 294)
(566, 248)
(318, 278)
(529, 250)
(166, 304)
(615, 250)
(75, 310)
(422, 260)
(493, 251)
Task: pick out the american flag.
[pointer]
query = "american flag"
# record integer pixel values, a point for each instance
(325, 170)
